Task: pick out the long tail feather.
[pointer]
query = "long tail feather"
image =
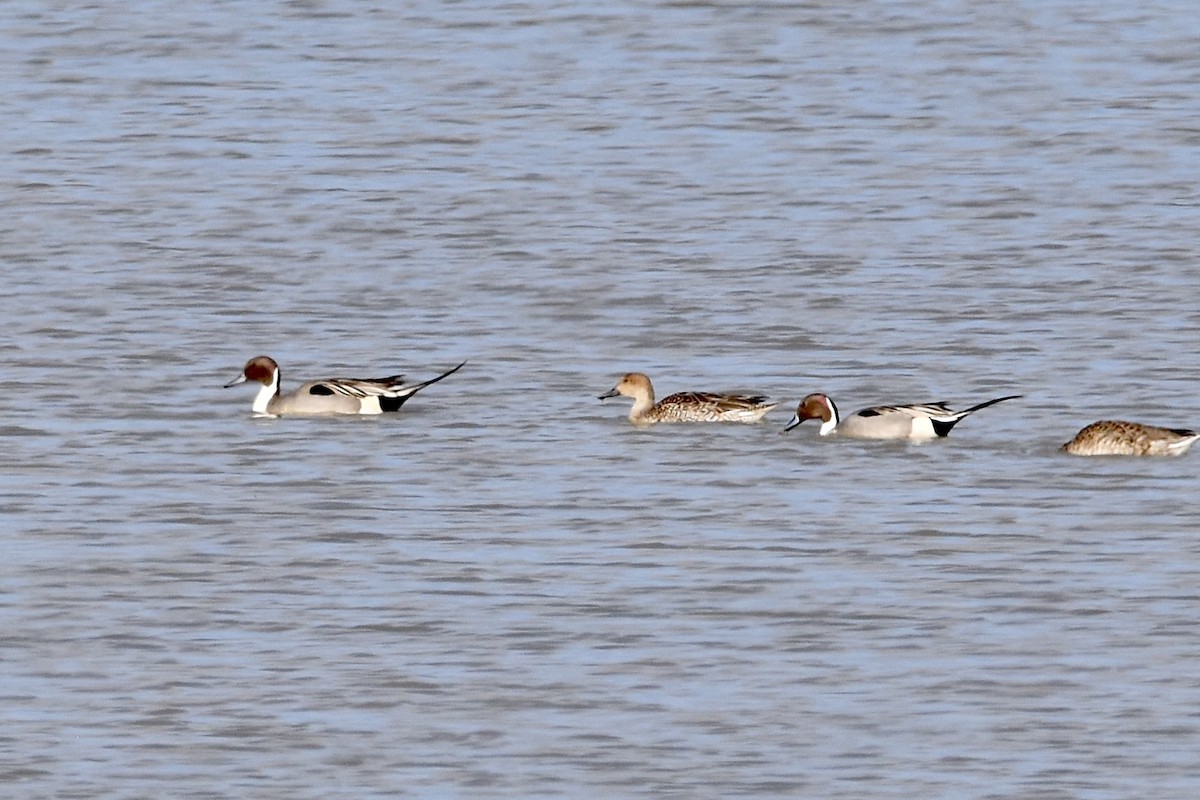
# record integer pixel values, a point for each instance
(409, 391)
(390, 404)
(973, 409)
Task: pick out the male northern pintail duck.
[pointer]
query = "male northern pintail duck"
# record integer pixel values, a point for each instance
(924, 421)
(328, 396)
(1113, 437)
(687, 406)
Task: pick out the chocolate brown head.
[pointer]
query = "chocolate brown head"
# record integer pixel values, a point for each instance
(815, 406)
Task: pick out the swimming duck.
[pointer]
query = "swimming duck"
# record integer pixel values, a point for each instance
(327, 396)
(920, 421)
(687, 406)
(1112, 437)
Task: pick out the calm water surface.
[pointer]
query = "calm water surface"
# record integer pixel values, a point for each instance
(507, 590)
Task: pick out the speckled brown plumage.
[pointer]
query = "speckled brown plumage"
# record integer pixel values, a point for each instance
(687, 406)
(1118, 438)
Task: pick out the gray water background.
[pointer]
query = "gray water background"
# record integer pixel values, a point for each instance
(507, 590)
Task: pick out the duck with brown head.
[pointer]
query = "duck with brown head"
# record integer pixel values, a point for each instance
(328, 396)
(919, 422)
(687, 406)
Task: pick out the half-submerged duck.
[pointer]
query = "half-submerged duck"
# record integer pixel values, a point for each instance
(687, 406)
(328, 396)
(1113, 437)
(919, 422)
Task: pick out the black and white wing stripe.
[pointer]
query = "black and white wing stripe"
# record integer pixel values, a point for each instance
(359, 388)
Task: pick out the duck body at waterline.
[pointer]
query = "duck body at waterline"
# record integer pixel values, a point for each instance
(1119, 438)
(918, 422)
(329, 396)
(687, 406)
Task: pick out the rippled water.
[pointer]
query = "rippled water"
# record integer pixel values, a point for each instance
(507, 590)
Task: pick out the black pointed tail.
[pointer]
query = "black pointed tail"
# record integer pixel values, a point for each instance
(973, 409)
(943, 427)
(388, 404)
